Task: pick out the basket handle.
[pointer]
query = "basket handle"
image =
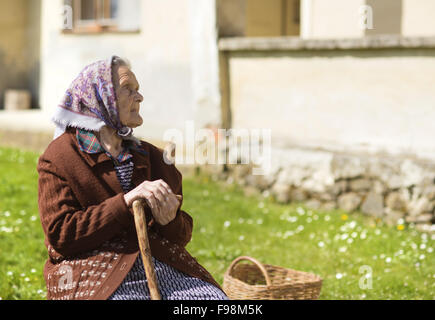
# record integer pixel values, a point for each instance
(254, 261)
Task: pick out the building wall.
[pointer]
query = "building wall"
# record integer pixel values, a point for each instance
(418, 18)
(322, 19)
(362, 100)
(342, 18)
(162, 55)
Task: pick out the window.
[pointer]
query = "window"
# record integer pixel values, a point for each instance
(93, 16)
(258, 18)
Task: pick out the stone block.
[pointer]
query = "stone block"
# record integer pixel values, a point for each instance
(349, 201)
(373, 205)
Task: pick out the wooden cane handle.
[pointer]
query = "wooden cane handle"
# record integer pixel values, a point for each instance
(142, 236)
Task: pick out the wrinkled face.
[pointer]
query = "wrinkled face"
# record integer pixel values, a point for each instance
(128, 97)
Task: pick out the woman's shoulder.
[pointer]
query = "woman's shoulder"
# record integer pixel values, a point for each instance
(63, 147)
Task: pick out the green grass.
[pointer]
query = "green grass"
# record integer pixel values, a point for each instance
(337, 246)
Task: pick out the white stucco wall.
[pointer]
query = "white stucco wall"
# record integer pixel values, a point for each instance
(418, 18)
(164, 57)
(322, 19)
(353, 100)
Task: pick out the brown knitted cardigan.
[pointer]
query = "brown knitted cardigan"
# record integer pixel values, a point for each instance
(89, 230)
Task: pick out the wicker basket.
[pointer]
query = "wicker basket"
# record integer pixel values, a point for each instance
(267, 282)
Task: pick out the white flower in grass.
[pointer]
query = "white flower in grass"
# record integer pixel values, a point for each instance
(6, 229)
(26, 279)
(292, 219)
(422, 256)
(354, 235)
(321, 244)
(315, 217)
(205, 193)
(300, 228)
(350, 240)
(342, 249)
(309, 220)
(9, 273)
(7, 213)
(241, 220)
(227, 224)
(300, 211)
(242, 237)
(259, 221)
(387, 259)
(344, 236)
(422, 246)
(32, 218)
(261, 204)
(33, 270)
(288, 234)
(339, 276)
(430, 250)
(398, 253)
(327, 218)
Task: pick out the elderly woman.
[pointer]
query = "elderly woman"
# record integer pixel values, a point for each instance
(89, 177)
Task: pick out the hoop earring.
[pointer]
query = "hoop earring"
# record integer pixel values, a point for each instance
(125, 131)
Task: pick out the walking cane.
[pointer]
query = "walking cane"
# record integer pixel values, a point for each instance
(144, 245)
(145, 251)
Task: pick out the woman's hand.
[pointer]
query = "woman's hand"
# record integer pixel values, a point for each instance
(159, 197)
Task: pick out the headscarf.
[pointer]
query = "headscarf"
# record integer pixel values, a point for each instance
(90, 103)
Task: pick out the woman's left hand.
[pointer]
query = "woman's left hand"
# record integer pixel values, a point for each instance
(167, 202)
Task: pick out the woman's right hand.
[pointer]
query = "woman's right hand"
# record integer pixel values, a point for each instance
(159, 197)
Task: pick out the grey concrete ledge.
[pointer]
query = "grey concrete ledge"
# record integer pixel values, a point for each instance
(296, 43)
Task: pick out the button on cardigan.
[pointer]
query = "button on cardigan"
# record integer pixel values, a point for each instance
(89, 230)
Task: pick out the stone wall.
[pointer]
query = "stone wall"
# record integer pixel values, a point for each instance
(395, 189)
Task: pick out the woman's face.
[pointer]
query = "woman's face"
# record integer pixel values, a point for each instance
(128, 97)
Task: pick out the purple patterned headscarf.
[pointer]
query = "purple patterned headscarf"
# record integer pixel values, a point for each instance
(90, 102)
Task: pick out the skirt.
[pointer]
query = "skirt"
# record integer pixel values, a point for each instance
(173, 285)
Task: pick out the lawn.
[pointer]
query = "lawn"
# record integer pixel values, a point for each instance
(356, 256)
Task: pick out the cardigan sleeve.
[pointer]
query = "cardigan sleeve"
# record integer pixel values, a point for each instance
(179, 230)
(69, 228)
